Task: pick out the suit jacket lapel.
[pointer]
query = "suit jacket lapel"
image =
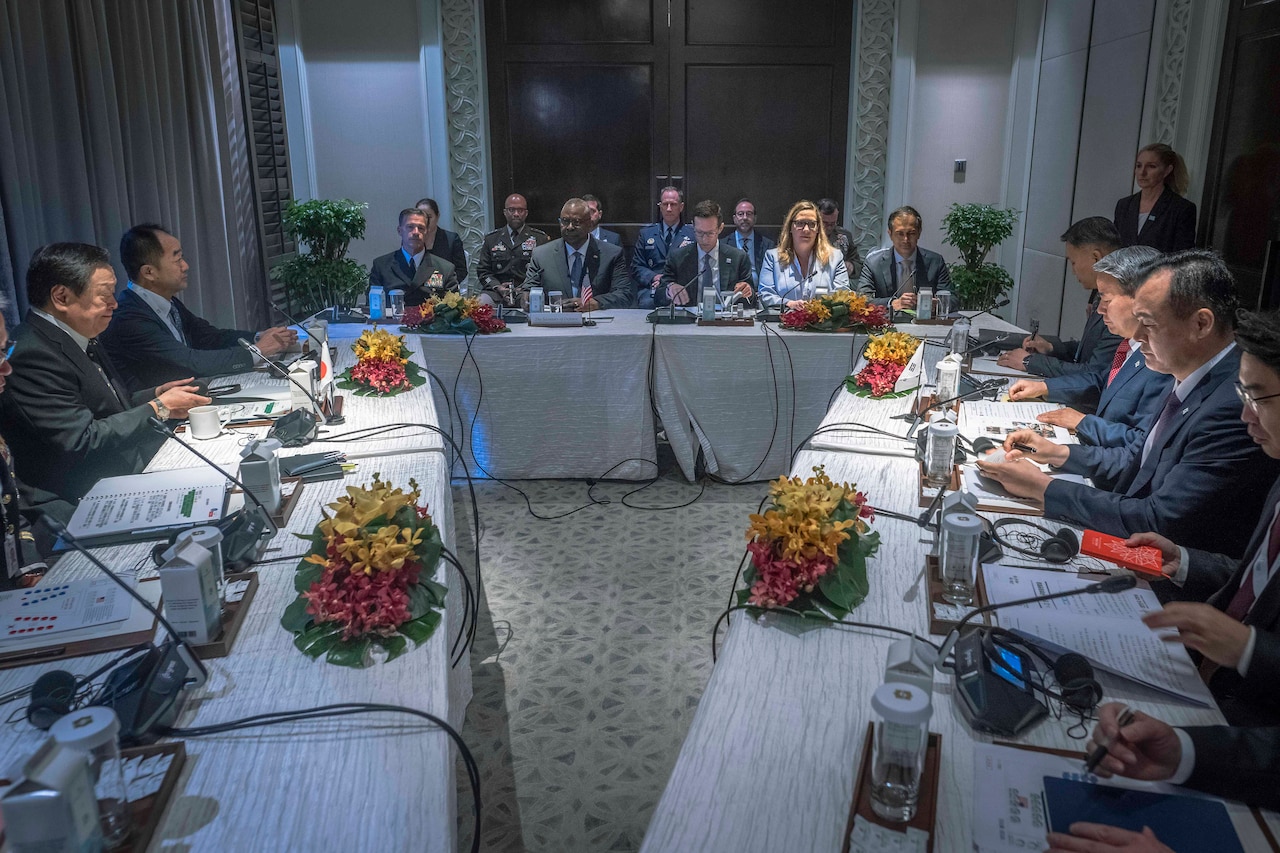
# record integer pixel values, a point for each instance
(1188, 409)
(91, 380)
(1127, 372)
(1268, 604)
(593, 266)
(1157, 210)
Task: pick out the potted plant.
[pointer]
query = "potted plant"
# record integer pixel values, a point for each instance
(323, 276)
(976, 229)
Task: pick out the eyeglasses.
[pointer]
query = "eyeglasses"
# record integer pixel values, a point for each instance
(738, 214)
(1250, 400)
(8, 351)
(517, 209)
(905, 234)
(805, 225)
(569, 223)
(698, 233)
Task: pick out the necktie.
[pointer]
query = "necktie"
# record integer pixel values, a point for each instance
(575, 273)
(1238, 607)
(667, 237)
(413, 269)
(1117, 361)
(175, 317)
(1171, 404)
(908, 265)
(94, 351)
(708, 283)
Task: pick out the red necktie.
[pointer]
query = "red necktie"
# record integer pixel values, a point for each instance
(1117, 362)
(1244, 597)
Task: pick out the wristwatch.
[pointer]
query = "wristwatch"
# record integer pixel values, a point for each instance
(1026, 359)
(162, 411)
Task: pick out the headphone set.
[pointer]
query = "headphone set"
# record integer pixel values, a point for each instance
(1078, 688)
(1058, 546)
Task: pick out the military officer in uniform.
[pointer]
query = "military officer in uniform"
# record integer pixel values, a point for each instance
(506, 252)
(655, 242)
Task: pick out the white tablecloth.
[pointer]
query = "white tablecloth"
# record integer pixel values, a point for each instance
(771, 758)
(376, 782)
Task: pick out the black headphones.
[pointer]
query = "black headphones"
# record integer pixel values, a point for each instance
(1077, 686)
(1054, 547)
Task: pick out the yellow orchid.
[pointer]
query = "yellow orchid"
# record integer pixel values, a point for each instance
(800, 520)
(894, 347)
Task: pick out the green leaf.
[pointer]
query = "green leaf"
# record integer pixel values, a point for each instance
(306, 575)
(350, 653)
(429, 551)
(435, 590)
(395, 646)
(296, 619)
(420, 630)
(419, 600)
(318, 639)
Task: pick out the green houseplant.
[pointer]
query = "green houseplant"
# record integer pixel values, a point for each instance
(976, 229)
(323, 276)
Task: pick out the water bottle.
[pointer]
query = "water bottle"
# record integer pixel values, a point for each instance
(376, 294)
(708, 303)
(535, 300)
(924, 304)
(960, 336)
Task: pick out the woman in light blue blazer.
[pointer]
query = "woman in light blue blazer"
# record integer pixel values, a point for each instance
(804, 264)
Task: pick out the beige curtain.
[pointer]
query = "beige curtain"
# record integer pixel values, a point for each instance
(126, 111)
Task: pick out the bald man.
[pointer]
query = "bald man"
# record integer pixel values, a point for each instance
(506, 252)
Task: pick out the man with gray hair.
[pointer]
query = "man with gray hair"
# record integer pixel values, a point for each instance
(1124, 395)
(1197, 476)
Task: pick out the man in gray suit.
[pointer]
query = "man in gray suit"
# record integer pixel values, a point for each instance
(577, 262)
(411, 268)
(892, 276)
(604, 235)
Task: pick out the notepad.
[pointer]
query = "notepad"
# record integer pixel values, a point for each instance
(1190, 824)
(121, 509)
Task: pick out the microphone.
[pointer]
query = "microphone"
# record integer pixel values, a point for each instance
(163, 428)
(923, 520)
(289, 317)
(685, 287)
(329, 419)
(981, 345)
(999, 303)
(144, 692)
(977, 391)
(1115, 583)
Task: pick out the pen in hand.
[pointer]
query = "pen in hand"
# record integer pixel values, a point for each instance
(1025, 448)
(1101, 750)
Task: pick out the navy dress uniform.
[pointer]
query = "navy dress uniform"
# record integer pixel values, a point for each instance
(504, 258)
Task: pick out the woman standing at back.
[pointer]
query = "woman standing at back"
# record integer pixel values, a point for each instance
(1157, 215)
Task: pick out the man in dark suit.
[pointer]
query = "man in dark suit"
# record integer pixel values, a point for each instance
(577, 262)
(66, 414)
(655, 242)
(841, 238)
(1197, 460)
(154, 338)
(1125, 394)
(744, 237)
(506, 252)
(707, 263)
(1234, 762)
(892, 276)
(604, 235)
(1087, 242)
(411, 268)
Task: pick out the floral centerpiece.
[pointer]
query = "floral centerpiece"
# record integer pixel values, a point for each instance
(809, 550)
(452, 314)
(368, 579)
(887, 355)
(841, 311)
(382, 366)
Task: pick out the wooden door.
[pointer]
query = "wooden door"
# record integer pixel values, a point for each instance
(1241, 213)
(722, 98)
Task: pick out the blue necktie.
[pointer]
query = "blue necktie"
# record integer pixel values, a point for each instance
(175, 317)
(575, 273)
(708, 283)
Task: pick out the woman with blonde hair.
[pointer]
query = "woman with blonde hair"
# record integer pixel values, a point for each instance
(804, 263)
(1157, 215)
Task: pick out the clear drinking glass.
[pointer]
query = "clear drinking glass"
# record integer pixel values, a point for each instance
(899, 746)
(556, 300)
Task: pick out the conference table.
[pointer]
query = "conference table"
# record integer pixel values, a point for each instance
(581, 402)
(377, 781)
(771, 757)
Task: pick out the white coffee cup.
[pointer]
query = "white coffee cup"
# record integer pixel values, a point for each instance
(204, 422)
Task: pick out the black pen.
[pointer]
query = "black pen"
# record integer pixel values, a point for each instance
(1101, 750)
(1025, 448)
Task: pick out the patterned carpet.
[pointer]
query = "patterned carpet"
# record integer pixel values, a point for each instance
(592, 651)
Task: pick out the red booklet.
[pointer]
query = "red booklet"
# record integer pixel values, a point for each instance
(1144, 559)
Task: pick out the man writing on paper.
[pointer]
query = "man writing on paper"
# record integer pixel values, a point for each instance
(1126, 394)
(1197, 474)
(707, 263)
(1238, 630)
(66, 414)
(154, 338)
(1234, 763)
(1087, 242)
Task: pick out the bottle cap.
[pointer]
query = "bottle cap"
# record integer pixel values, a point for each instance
(901, 703)
(962, 523)
(943, 428)
(86, 729)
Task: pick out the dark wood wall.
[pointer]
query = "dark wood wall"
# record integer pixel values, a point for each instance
(723, 98)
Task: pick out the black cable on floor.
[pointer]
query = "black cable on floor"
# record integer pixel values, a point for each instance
(347, 709)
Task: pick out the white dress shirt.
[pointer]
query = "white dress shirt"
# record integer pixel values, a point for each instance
(81, 340)
(163, 308)
(1183, 389)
